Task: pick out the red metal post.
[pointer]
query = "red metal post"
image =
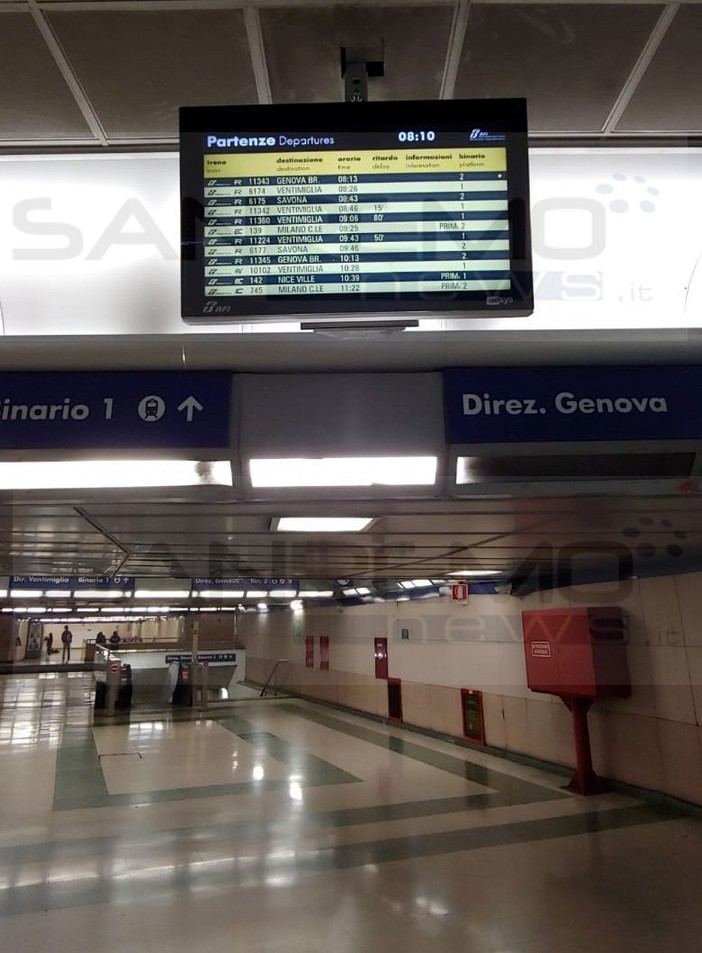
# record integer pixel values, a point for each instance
(584, 780)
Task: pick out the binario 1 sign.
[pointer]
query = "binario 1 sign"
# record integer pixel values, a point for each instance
(115, 410)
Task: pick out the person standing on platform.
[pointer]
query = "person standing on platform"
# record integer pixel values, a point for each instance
(66, 639)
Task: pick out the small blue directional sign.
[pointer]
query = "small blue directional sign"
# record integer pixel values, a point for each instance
(106, 410)
(72, 582)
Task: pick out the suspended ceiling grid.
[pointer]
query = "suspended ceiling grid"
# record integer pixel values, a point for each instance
(112, 73)
(207, 536)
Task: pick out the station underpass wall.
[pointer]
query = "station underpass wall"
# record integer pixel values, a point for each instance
(652, 739)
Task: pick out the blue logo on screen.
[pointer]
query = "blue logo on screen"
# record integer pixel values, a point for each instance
(480, 135)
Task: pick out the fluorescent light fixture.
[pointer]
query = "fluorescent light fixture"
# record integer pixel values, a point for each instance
(262, 607)
(296, 605)
(283, 593)
(407, 585)
(221, 593)
(208, 609)
(26, 593)
(421, 583)
(99, 594)
(350, 592)
(7, 609)
(323, 524)
(98, 474)
(477, 572)
(343, 471)
(85, 610)
(3, 593)
(58, 593)
(363, 591)
(161, 593)
(317, 594)
(256, 593)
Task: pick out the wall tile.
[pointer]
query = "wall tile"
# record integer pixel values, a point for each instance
(516, 724)
(513, 680)
(540, 733)
(494, 718)
(682, 760)
(694, 656)
(689, 588)
(661, 611)
(671, 684)
(627, 747)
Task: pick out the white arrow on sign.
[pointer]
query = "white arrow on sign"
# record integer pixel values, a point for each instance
(190, 405)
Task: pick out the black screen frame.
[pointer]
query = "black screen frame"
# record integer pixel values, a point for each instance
(508, 116)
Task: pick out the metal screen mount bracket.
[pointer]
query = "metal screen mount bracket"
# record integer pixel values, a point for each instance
(356, 70)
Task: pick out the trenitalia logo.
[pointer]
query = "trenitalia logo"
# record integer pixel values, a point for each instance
(480, 135)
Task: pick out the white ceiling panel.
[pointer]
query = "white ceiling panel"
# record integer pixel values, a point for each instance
(138, 66)
(569, 60)
(303, 49)
(669, 96)
(35, 101)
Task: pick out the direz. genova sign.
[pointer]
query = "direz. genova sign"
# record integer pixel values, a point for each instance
(525, 404)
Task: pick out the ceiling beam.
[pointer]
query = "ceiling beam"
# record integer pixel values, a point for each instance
(259, 64)
(639, 70)
(66, 70)
(454, 51)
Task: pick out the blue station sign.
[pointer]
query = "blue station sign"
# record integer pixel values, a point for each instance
(209, 658)
(72, 582)
(532, 404)
(85, 411)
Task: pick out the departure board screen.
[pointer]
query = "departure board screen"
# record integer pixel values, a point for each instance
(417, 208)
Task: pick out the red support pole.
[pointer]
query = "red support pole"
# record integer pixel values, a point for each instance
(584, 780)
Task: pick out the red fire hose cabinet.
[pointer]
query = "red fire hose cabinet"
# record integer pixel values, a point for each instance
(579, 655)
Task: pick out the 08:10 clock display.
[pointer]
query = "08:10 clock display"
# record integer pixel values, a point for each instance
(421, 136)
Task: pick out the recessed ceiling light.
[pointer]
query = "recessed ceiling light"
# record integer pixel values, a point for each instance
(98, 474)
(343, 471)
(322, 524)
(161, 593)
(221, 593)
(477, 572)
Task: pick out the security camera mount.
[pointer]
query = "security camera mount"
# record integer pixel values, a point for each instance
(355, 71)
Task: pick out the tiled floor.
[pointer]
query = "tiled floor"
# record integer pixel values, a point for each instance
(281, 825)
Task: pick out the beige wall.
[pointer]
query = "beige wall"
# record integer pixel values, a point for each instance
(652, 739)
